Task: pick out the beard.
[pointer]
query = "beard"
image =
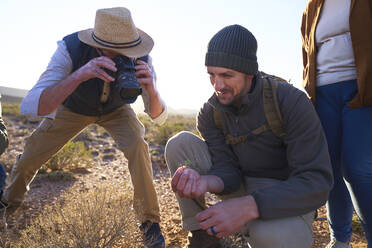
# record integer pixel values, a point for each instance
(234, 95)
(227, 97)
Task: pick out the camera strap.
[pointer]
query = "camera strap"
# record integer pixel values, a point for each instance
(106, 85)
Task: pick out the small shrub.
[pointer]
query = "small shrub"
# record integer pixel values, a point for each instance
(73, 155)
(11, 109)
(100, 218)
(59, 175)
(174, 124)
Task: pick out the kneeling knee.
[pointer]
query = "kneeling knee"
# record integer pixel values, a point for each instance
(179, 139)
(176, 148)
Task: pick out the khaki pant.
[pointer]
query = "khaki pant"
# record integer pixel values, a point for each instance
(292, 232)
(52, 135)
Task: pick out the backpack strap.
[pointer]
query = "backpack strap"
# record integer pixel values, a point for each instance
(217, 116)
(271, 106)
(271, 109)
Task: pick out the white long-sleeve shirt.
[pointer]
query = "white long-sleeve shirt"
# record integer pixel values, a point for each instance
(335, 56)
(59, 67)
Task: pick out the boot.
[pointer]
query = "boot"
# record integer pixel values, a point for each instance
(152, 236)
(200, 238)
(337, 244)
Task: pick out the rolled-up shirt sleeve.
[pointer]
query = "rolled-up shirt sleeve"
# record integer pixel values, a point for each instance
(160, 119)
(59, 67)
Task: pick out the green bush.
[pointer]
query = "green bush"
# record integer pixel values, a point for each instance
(10, 109)
(73, 155)
(175, 123)
(57, 175)
(166, 131)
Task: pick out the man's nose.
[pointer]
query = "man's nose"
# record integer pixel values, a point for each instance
(218, 84)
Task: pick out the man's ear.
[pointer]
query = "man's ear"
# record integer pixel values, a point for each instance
(250, 77)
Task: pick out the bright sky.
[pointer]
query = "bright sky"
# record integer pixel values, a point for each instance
(181, 31)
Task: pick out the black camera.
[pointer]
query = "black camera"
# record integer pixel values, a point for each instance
(125, 79)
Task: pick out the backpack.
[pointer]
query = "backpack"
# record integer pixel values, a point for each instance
(271, 109)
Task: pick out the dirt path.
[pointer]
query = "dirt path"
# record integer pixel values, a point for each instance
(110, 167)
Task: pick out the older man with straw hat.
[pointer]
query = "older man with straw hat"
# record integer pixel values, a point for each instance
(92, 78)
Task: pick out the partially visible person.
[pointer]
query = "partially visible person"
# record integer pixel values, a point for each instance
(263, 150)
(337, 74)
(92, 78)
(4, 142)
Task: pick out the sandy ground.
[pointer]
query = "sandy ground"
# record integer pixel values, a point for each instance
(110, 167)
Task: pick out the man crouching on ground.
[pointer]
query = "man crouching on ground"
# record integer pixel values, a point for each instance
(263, 150)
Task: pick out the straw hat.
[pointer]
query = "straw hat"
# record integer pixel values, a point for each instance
(114, 30)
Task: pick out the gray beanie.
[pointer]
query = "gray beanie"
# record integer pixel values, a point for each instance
(233, 47)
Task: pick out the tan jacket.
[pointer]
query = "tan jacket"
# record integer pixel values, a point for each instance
(361, 36)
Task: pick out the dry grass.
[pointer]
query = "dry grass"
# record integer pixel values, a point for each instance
(98, 219)
(104, 217)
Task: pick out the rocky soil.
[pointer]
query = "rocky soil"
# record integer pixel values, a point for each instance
(110, 167)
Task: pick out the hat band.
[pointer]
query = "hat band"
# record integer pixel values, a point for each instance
(116, 45)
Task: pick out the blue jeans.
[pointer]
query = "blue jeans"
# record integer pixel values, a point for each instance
(2, 176)
(349, 136)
